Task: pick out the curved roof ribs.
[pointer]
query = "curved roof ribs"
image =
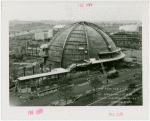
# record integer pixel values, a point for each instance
(99, 28)
(96, 28)
(63, 29)
(102, 29)
(61, 62)
(87, 40)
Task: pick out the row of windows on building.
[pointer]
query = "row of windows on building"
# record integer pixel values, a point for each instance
(128, 42)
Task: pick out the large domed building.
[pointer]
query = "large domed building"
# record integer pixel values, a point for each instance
(81, 42)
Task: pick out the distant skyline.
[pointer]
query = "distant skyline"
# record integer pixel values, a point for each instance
(101, 11)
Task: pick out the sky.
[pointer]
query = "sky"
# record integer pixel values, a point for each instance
(103, 11)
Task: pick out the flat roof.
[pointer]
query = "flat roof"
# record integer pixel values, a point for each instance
(29, 48)
(53, 72)
(44, 46)
(59, 26)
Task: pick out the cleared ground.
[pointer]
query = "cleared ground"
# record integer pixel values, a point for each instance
(79, 89)
(135, 53)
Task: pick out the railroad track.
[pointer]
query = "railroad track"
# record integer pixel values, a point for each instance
(115, 94)
(118, 83)
(116, 102)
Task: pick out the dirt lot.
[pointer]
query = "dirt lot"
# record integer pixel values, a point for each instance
(135, 53)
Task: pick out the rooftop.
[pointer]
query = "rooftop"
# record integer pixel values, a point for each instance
(59, 26)
(53, 72)
(78, 42)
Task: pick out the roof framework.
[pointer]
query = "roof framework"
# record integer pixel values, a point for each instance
(79, 41)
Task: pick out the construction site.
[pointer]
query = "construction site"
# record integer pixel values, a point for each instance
(82, 65)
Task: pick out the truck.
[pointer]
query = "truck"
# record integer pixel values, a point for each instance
(112, 74)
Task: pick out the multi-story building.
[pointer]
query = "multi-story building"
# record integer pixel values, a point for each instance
(44, 35)
(50, 33)
(39, 36)
(127, 37)
(137, 28)
(129, 28)
(128, 34)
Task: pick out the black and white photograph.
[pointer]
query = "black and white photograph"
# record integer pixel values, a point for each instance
(76, 63)
(73, 54)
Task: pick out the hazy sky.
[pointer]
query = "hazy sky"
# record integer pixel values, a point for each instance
(104, 11)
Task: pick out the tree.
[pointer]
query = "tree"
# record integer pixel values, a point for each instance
(65, 90)
(22, 52)
(19, 53)
(95, 83)
(13, 73)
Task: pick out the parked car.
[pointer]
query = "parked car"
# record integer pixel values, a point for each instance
(113, 74)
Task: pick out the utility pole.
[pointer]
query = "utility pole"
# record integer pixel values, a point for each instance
(24, 70)
(36, 49)
(103, 68)
(42, 68)
(33, 70)
(50, 66)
